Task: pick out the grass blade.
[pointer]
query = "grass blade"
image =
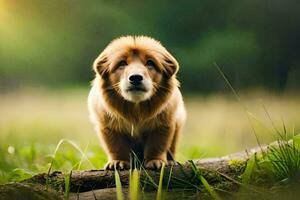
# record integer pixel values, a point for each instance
(241, 103)
(246, 177)
(134, 186)
(170, 176)
(118, 186)
(209, 188)
(206, 185)
(159, 190)
(73, 144)
(67, 185)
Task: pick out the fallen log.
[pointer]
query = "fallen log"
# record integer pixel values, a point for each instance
(221, 173)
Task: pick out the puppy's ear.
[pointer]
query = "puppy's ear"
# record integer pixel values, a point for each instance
(101, 65)
(170, 64)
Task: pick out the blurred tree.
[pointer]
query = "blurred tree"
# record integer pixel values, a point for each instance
(256, 42)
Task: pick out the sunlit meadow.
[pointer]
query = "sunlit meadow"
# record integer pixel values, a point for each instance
(33, 122)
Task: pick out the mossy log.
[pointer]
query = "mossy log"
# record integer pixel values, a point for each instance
(221, 173)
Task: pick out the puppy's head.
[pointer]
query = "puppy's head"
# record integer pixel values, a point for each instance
(135, 67)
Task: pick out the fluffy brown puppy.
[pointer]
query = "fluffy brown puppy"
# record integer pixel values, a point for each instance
(135, 103)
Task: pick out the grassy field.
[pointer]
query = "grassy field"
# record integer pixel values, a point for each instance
(41, 126)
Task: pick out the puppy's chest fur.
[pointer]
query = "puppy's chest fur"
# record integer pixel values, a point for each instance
(132, 129)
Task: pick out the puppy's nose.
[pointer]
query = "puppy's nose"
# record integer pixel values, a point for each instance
(135, 79)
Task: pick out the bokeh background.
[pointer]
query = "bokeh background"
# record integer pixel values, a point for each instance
(47, 49)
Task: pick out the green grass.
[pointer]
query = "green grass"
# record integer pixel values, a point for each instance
(29, 159)
(134, 184)
(159, 194)
(118, 186)
(34, 123)
(67, 185)
(204, 182)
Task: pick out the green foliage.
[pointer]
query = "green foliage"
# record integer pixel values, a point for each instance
(296, 140)
(19, 174)
(56, 42)
(237, 165)
(22, 163)
(285, 159)
(246, 177)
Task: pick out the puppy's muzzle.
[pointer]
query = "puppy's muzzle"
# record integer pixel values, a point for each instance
(136, 79)
(136, 83)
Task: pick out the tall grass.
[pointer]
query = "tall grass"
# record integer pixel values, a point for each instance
(160, 184)
(204, 182)
(237, 96)
(118, 186)
(75, 146)
(285, 159)
(134, 187)
(246, 177)
(67, 185)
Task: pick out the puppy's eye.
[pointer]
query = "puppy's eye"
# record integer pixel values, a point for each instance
(122, 64)
(150, 64)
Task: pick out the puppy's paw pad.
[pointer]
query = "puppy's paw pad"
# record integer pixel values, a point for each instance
(117, 164)
(155, 164)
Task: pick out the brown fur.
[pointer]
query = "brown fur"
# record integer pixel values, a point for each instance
(152, 125)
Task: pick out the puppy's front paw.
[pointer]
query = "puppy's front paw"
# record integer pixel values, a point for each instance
(154, 164)
(117, 164)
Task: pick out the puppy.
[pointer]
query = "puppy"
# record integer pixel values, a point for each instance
(135, 103)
